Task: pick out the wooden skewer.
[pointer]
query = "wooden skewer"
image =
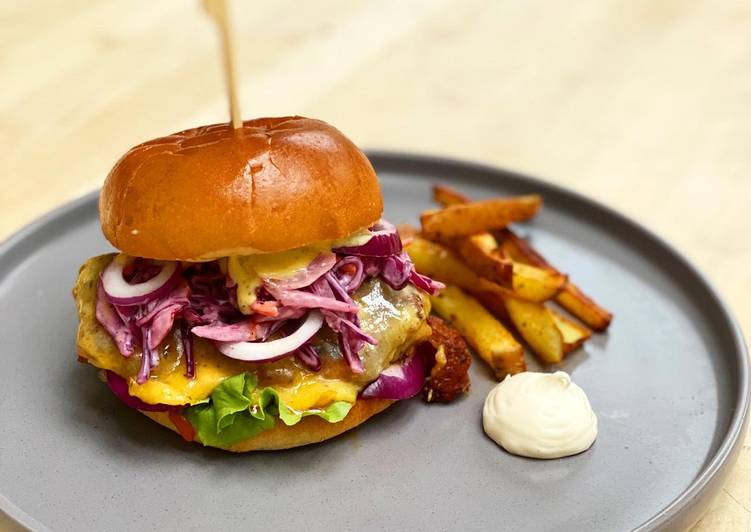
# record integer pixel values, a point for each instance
(217, 10)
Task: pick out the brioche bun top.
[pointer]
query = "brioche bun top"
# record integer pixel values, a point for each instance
(215, 191)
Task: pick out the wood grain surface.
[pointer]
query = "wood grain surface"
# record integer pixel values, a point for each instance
(644, 105)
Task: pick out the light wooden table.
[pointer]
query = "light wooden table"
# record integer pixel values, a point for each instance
(642, 104)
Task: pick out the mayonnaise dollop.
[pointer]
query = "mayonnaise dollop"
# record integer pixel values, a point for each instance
(540, 415)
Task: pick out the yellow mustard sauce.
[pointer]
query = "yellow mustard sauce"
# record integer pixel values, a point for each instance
(248, 270)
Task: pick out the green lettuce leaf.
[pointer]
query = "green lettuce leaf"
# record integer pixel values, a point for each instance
(238, 410)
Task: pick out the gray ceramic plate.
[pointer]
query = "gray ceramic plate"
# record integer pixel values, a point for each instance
(669, 382)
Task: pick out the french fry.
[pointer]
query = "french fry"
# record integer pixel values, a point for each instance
(536, 325)
(550, 334)
(570, 296)
(407, 232)
(446, 196)
(574, 334)
(441, 263)
(583, 307)
(481, 253)
(494, 304)
(489, 260)
(477, 217)
(487, 336)
(482, 242)
(438, 262)
(536, 284)
(519, 249)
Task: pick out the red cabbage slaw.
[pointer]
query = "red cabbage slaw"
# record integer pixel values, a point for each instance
(137, 311)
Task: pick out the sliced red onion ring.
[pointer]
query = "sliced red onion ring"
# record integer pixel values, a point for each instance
(267, 351)
(398, 381)
(119, 387)
(384, 242)
(320, 265)
(122, 293)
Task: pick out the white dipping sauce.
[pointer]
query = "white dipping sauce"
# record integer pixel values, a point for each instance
(540, 415)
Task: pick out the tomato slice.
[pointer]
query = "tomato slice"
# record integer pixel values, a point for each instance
(182, 425)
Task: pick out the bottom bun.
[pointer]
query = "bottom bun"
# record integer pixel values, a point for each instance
(311, 429)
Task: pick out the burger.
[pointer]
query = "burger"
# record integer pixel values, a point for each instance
(258, 300)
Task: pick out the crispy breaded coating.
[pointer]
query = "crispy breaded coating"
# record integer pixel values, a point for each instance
(449, 376)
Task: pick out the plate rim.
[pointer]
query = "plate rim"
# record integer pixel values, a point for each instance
(713, 472)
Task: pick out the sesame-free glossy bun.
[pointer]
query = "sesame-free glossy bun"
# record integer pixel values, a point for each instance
(309, 430)
(214, 191)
